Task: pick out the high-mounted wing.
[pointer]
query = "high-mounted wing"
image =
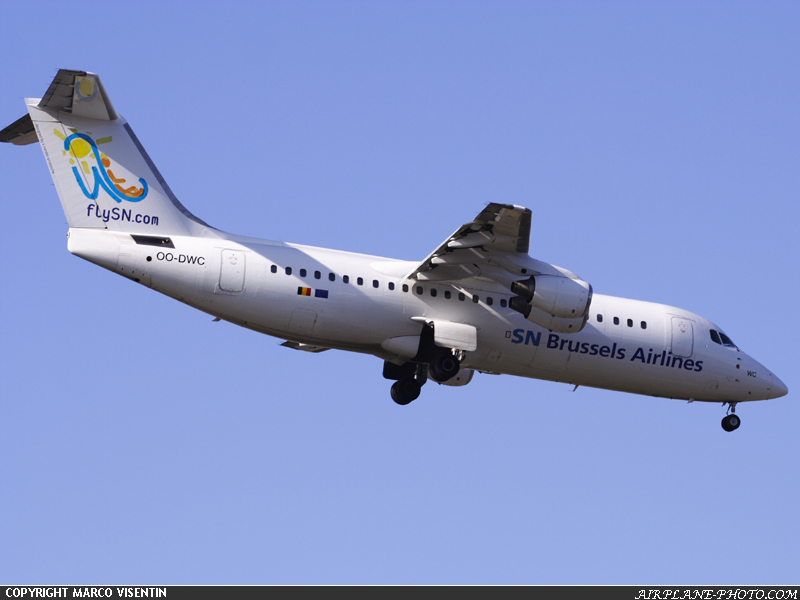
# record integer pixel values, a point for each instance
(499, 228)
(494, 249)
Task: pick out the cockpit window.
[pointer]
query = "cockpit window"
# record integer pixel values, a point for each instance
(726, 341)
(715, 337)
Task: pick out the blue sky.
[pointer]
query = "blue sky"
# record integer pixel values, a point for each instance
(657, 144)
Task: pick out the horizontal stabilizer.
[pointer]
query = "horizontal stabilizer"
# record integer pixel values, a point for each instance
(80, 94)
(104, 177)
(20, 132)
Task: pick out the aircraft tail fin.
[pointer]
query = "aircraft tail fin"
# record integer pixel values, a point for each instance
(104, 177)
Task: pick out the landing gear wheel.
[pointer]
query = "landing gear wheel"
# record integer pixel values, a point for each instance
(731, 423)
(405, 391)
(444, 367)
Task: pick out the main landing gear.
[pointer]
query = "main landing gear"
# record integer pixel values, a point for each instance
(731, 422)
(412, 376)
(405, 391)
(444, 367)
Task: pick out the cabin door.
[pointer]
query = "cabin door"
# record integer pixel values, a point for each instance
(682, 337)
(231, 275)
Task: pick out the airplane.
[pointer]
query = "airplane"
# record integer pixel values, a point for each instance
(478, 302)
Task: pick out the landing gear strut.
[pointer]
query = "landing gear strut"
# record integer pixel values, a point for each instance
(730, 421)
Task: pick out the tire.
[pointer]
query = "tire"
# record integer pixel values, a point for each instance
(727, 425)
(405, 391)
(444, 367)
(734, 422)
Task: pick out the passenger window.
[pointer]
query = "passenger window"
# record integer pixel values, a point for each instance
(599, 318)
(331, 277)
(433, 292)
(503, 302)
(405, 287)
(630, 322)
(391, 285)
(726, 341)
(644, 324)
(476, 299)
(317, 274)
(715, 337)
(447, 294)
(375, 283)
(302, 272)
(616, 320)
(360, 281)
(419, 290)
(346, 278)
(489, 301)
(288, 270)
(274, 269)
(461, 296)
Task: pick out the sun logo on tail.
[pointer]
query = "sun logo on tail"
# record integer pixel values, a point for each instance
(82, 146)
(85, 88)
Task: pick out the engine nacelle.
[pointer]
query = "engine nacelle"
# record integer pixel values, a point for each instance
(463, 377)
(546, 320)
(558, 296)
(557, 324)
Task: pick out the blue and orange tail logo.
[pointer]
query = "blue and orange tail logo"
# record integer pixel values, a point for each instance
(81, 146)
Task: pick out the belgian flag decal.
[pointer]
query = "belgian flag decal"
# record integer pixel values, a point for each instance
(304, 291)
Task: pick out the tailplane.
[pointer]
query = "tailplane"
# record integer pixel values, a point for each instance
(104, 178)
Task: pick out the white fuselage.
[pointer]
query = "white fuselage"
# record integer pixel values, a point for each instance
(333, 299)
(477, 302)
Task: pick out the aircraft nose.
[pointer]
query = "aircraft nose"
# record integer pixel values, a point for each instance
(778, 388)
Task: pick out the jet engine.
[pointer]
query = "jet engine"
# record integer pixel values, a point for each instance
(557, 296)
(555, 303)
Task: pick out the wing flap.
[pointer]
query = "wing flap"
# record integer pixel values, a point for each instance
(498, 228)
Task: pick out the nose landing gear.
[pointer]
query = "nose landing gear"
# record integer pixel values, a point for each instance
(730, 422)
